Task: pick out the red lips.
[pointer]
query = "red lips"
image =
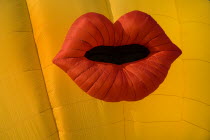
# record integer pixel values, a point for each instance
(111, 82)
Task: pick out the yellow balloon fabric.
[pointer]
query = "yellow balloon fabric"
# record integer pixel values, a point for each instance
(38, 101)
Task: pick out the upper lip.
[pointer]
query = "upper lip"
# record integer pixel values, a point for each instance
(92, 29)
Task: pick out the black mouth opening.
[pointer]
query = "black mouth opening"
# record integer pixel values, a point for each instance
(117, 55)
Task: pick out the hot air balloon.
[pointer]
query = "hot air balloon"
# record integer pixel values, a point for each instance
(38, 100)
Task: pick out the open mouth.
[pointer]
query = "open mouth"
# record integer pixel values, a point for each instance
(124, 61)
(117, 55)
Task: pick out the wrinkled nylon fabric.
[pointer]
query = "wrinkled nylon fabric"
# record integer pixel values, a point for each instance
(178, 109)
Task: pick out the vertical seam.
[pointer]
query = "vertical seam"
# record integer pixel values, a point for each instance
(53, 114)
(124, 131)
(108, 6)
(183, 69)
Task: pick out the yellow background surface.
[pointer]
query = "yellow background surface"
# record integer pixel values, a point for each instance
(38, 101)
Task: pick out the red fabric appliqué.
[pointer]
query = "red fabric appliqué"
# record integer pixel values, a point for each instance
(110, 82)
